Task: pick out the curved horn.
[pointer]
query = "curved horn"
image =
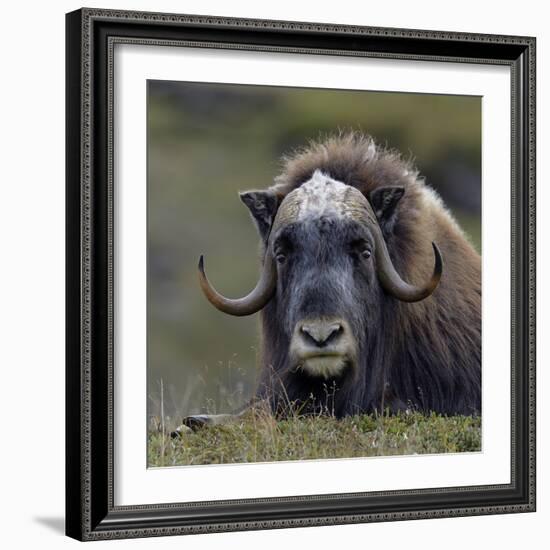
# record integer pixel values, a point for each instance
(254, 301)
(392, 282)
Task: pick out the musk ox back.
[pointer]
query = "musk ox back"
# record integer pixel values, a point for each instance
(369, 293)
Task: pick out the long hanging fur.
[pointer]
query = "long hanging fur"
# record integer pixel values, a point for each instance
(427, 354)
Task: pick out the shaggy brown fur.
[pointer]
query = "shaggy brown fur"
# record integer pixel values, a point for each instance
(433, 347)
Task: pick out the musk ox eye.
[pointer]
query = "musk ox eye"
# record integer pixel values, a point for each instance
(360, 249)
(281, 258)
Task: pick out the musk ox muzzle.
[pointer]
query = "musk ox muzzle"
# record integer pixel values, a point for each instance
(322, 347)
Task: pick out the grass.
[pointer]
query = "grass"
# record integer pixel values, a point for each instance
(258, 437)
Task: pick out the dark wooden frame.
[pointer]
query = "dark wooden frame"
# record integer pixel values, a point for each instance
(91, 35)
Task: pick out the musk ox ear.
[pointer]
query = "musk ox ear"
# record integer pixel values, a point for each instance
(383, 201)
(263, 207)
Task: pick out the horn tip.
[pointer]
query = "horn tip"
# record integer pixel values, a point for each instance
(438, 257)
(201, 263)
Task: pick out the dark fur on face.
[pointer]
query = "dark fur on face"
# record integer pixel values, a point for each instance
(396, 355)
(324, 276)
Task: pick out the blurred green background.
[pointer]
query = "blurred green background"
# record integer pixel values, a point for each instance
(208, 141)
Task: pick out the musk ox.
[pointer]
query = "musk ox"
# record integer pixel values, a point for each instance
(369, 290)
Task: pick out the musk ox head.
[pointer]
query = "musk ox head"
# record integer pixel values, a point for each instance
(325, 272)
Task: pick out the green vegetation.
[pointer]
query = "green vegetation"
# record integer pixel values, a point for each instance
(258, 437)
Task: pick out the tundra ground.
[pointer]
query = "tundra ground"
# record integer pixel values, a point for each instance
(258, 437)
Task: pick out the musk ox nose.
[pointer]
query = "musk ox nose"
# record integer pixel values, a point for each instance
(320, 333)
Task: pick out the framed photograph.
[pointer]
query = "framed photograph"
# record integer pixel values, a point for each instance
(300, 274)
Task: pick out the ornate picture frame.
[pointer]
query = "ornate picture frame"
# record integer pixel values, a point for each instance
(91, 509)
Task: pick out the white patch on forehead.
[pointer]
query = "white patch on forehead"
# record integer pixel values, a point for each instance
(322, 196)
